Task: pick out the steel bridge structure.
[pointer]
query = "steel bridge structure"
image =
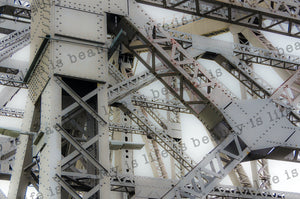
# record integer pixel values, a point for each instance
(87, 114)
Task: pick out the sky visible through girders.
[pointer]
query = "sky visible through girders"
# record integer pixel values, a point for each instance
(284, 175)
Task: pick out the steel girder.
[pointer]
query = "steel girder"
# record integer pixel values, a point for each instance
(8, 70)
(124, 182)
(9, 26)
(174, 106)
(151, 147)
(245, 192)
(159, 136)
(248, 53)
(274, 16)
(190, 78)
(266, 57)
(14, 42)
(11, 82)
(178, 65)
(113, 71)
(137, 100)
(14, 37)
(241, 71)
(289, 92)
(16, 9)
(11, 112)
(203, 178)
(157, 117)
(119, 91)
(126, 128)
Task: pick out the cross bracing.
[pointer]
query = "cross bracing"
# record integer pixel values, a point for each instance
(85, 100)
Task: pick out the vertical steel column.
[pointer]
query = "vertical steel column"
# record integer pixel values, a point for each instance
(50, 156)
(103, 142)
(19, 182)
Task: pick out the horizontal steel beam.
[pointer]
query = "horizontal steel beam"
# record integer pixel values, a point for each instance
(12, 83)
(266, 57)
(15, 10)
(174, 106)
(11, 112)
(276, 16)
(246, 53)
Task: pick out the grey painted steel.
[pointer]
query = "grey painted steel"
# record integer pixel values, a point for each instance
(203, 178)
(75, 155)
(266, 15)
(6, 94)
(14, 42)
(167, 105)
(160, 137)
(78, 147)
(78, 99)
(12, 112)
(149, 187)
(12, 82)
(67, 187)
(266, 57)
(119, 90)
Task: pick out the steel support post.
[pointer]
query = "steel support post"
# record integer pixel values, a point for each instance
(103, 142)
(19, 181)
(50, 154)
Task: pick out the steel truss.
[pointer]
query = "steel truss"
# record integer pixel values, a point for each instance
(127, 183)
(203, 178)
(189, 74)
(11, 82)
(70, 177)
(273, 16)
(187, 71)
(266, 57)
(86, 107)
(128, 86)
(11, 112)
(14, 42)
(151, 146)
(247, 53)
(245, 192)
(245, 74)
(174, 106)
(170, 145)
(241, 70)
(18, 9)
(181, 74)
(80, 149)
